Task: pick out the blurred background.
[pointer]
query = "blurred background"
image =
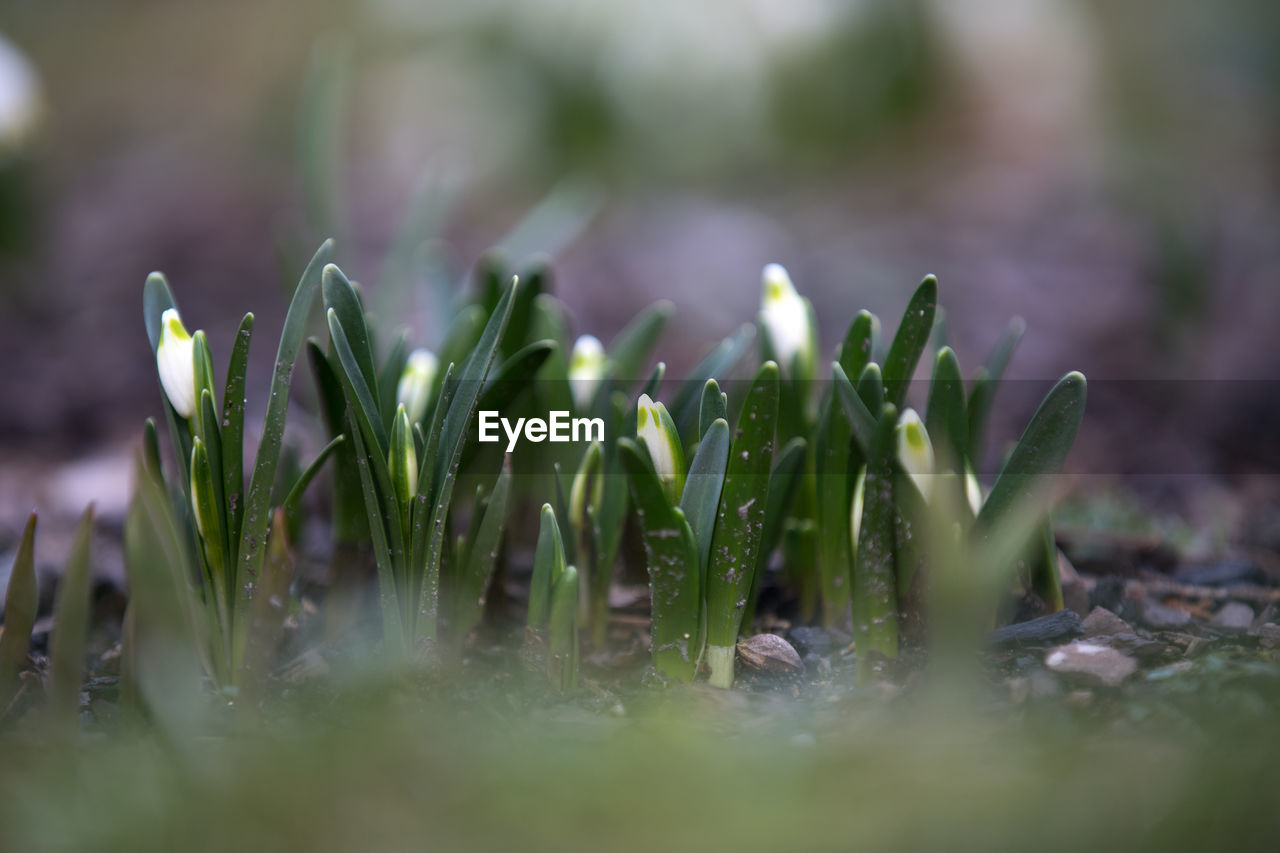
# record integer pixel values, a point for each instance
(1108, 171)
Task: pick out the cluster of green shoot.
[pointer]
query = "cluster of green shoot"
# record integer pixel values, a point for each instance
(863, 503)
(854, 494)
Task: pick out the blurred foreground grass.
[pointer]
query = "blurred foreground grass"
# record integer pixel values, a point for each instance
(380, 767)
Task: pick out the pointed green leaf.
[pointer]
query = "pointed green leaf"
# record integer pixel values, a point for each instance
(293, 501)
(389, 596)
(254, 526)
(675, 582)
(875, 607)
(833, 459)
(364, 413)
(861, 423)
(855, 352)
(341, 298)
(562, 645)
(909, 342)
(946, 417)
(465, 394)
(1040, 452)
(701, 498)
(735, 543)
(536, 280)
(482, 557)
(21, 600)
(233, 401)
(548, 566)
(715, 406)
(71, 625)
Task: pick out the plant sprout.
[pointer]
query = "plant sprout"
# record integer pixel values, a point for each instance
(702, 550)
(221, 521)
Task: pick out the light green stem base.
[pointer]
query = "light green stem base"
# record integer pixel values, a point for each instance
(720, 660)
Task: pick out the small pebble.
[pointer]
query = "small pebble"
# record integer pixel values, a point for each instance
(1093, 662)
(1234, 616)
(1102, 621)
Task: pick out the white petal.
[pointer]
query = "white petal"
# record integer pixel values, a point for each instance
(175, 362)
(586, 369)
(414, 389)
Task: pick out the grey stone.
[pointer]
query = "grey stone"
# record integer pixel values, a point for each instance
(1234, 616)
(1092, 662)
(1102, 621)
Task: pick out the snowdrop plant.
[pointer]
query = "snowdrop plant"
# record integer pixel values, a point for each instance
(588, 379)
(897, 464)
(702, 548)
(553, 604)
(222, 521)
(408, 470)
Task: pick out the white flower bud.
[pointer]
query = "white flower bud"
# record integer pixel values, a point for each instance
(586, 369)
(855, 511)
(658, 432)
(414, 389)
(402, 459)
(175, 361)
(788, 323)
(19, 99)
(915, 451)
(973, 490)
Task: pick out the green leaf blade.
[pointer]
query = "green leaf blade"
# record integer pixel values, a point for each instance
(740, 517)
(71, 625)
(256, 518)
(910, 341)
